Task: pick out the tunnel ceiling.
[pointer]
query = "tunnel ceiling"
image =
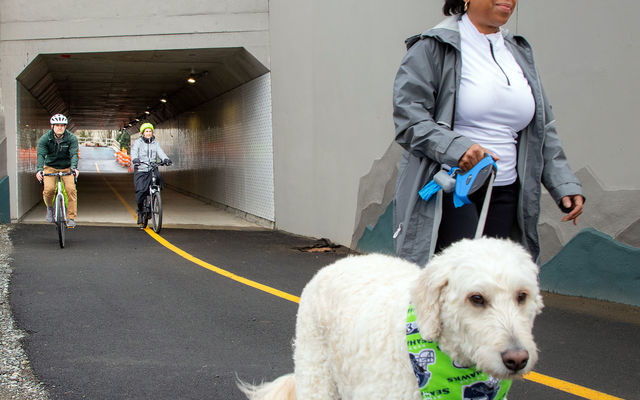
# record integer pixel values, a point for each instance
(110, 90)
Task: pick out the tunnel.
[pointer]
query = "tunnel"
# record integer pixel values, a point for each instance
(217, 130)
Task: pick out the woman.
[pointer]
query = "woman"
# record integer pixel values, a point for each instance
(464, 89)
(145, 150)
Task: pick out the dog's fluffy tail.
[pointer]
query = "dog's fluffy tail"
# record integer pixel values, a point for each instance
(283, 388)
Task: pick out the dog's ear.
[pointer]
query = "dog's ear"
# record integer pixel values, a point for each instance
(426, 298)
(539, 304)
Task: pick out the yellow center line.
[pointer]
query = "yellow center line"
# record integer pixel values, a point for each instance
(545, 380)
(200, 262)
(221, 271)
(568, 387)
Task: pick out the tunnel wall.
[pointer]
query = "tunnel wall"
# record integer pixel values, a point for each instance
(222, 151)
(32, 124)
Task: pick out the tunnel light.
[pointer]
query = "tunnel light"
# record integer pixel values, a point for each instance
(191, 79)
(163, 100)
(193, 76)
(137, 120)
(147, 112)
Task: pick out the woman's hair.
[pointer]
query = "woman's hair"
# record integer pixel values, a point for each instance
(453, 7)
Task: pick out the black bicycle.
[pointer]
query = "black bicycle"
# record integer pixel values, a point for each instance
(153, 202)
(60, 205)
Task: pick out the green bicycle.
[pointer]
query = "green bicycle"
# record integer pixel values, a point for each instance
(60, 205)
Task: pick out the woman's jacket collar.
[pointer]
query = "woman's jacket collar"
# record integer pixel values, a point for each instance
(447, 32)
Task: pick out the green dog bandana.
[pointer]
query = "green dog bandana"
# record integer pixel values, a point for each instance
(439, 378)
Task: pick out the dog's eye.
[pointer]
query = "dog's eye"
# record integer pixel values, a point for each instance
(522, 297)
(477, 300)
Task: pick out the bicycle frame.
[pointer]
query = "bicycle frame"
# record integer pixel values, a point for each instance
(154, 187)
(60, 205)
(60, 192)
(152, 210)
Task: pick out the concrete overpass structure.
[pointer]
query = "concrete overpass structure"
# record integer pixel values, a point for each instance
(290, 118)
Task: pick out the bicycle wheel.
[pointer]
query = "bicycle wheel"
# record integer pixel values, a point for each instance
(156, 212)
(61, 224)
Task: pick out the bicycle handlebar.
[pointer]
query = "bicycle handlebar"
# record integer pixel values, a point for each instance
(155, 164)
(58, 174)
(75, 178)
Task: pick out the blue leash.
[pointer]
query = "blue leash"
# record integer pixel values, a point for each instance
(461, 184)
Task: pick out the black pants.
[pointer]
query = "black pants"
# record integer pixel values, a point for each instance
(141, 181)
(459, 223)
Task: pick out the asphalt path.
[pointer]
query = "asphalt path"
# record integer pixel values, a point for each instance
(102, 158)
(117, 315)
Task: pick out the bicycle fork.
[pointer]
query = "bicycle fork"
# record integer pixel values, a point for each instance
(60, 197)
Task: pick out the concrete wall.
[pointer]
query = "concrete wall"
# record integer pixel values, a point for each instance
(222, 151)
(333, 64)
(30, 28)
(588, 53)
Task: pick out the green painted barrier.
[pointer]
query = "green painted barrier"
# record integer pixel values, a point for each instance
(594, 265)
(379, 238)
(5, 213)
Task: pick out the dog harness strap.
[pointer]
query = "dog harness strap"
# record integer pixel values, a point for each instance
(440, 379)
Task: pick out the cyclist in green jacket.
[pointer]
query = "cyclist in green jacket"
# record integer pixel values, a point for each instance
(58, 151)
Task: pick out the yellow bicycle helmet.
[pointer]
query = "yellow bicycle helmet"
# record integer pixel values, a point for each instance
(145, 126)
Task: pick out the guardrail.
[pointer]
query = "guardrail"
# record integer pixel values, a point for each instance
(108, 142)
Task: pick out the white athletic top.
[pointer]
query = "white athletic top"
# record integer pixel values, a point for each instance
(495, 101)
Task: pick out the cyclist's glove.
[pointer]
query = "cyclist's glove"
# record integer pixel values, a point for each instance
(167, 161)
(136, 161)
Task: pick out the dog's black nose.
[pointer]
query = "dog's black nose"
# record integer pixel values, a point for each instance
(515, 360)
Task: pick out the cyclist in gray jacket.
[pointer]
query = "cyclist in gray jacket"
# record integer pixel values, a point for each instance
(424, 98)
(144, 151)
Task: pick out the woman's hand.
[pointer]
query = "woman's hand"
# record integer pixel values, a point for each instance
(574, 204)
(474, 155)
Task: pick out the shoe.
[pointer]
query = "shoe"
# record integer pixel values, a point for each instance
(139, 218)
(49, 217)
(71, 223)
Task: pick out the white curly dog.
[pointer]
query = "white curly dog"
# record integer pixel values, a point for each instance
(477, 299)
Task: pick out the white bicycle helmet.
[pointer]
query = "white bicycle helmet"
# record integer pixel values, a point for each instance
(58, 119)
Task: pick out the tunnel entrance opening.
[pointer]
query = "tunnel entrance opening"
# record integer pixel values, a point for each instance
(217, 130)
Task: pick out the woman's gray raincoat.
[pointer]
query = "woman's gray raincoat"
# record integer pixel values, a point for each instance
(424, 99)
(147, 152)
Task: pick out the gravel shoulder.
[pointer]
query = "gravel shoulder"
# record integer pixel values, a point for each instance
(17, 381)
